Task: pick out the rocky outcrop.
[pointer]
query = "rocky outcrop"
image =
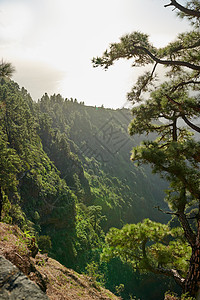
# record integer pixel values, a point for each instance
(23, 277)
(14, 285)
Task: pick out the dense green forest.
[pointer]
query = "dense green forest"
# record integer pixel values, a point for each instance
(66, 174)
(89, 182)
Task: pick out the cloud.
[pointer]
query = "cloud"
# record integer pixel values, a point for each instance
(51, 43)
(16, 20)
(38, 77)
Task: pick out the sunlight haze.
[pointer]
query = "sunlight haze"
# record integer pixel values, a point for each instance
(51, 44)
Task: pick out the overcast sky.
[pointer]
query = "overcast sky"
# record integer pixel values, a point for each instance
(51, 44)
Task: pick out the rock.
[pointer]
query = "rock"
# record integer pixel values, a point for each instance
(45, 273)
(14, 285)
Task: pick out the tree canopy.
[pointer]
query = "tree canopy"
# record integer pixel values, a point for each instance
(6, 69)
(161, 106)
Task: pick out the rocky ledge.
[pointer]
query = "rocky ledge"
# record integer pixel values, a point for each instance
(15, 285)
(23, 277)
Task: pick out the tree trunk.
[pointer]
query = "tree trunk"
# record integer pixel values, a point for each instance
(192, 282)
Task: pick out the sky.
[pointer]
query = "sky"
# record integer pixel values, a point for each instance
(51, 44)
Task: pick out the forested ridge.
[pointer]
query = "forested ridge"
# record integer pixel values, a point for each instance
(66, 177)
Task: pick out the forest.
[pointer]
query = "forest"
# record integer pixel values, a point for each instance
(113, 193)
(62, 180)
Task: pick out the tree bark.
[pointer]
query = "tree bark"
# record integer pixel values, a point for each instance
(192, 282)
(193, 126)
(174, 131)
(189, 233)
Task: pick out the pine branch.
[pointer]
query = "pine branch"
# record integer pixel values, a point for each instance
(190, 124)
(187, 11)
(168, 62)
(193, 126)
(181, 84)
(166, 212)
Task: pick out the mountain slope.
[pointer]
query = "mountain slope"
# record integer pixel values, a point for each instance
(100, 139)
(66, 177)
(54, 279)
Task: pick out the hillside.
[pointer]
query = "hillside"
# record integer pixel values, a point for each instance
(100, 139)
(66, 178)
(54, 279)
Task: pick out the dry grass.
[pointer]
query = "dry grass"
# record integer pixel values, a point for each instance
(59, 282)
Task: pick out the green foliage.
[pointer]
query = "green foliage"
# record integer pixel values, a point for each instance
(52, 187)
(18, 216)
(172, 152)
(5, 217)
(6, 69)
(172, 296)
(147, 246)
(44, 243)
(119, 289)
(10, 164)
(92, 270)
(80, 162)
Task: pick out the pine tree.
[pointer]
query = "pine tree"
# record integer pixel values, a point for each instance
(6, 69)
(175, 155)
